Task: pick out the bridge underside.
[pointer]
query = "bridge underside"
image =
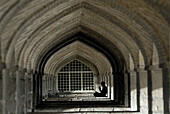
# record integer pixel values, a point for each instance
(55, 53)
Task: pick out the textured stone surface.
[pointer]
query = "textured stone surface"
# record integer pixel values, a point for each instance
(133, 32)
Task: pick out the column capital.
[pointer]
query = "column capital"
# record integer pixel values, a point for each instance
(153, 67)
(165, 65)
(140, 70)
(130, 71)
(30, 72)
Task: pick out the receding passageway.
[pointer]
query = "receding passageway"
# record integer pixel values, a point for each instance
(84, 56)
(74, 82)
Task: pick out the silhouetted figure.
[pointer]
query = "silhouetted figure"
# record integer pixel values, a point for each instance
(103, 92)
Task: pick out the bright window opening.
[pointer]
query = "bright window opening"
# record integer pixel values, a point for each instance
(75, 76)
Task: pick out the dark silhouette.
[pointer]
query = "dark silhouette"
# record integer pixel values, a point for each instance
(103, 92)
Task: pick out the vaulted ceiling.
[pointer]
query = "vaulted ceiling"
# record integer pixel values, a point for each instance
(37, 34)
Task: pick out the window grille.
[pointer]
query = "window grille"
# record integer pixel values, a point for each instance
(75, 76)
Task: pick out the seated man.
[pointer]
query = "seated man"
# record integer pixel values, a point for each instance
(103, 92)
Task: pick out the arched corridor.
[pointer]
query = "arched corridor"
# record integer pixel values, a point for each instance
(55, 53)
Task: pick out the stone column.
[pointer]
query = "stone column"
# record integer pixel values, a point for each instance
(54, 83)
(46, 85)
(100, 77)
(52, 80)
(18, 92)
(43, 87)
(57, 82)
(34, 90)
(105, 80)
(166, 87)
(26, 92)
(96, 83)
(1, 89)
(31, 92)
(133, 90)
(5, 78)
(39, 89)
(143, 86)
(126, 82)
(112, 86)
(108, 87)
(51, 83)
(156, 102)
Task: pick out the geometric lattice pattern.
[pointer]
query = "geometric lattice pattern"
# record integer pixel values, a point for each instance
(75, 76)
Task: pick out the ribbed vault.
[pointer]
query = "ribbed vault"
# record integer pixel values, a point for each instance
(40, 59)
(140, 29)
(78, 50)
(125, 42)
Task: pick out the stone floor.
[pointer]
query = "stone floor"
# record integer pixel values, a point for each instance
(75, 103)
(78, 97)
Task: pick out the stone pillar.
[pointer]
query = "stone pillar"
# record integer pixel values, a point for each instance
(54, 83)
(11, 91)
(143, 86)
(39, 81)
(31, 92)
(108, 87)
(100, 79)
(57, 82)
(34, 90)
(156, 103)
(38, 85)
(46, 85)
(112, 86)
(26, 92)
(105, 80)
(133, 90)
(43, 87)
(5, 78)
(96, 83)
(18, 92)
(103, 77)
(166, 88)
(1, 90)
(51, 82)
(126, 82)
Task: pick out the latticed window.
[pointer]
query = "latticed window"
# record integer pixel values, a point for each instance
(75, 76)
